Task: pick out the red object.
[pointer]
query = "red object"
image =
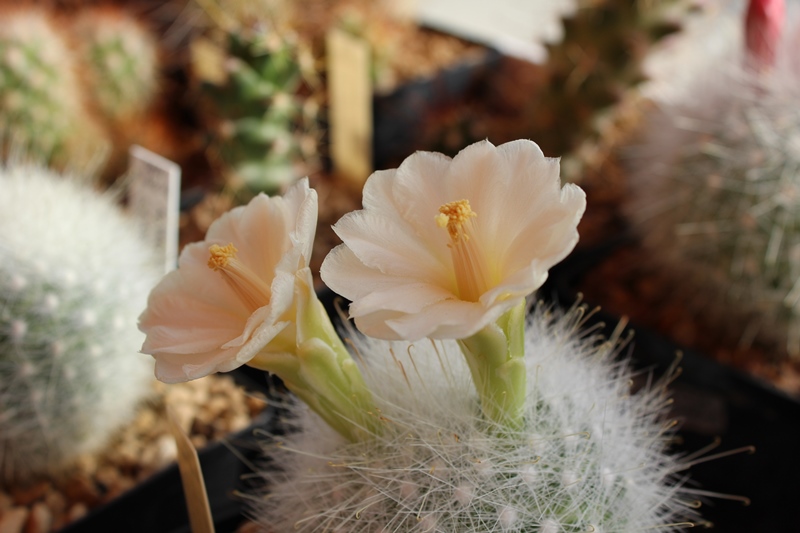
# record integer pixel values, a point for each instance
(763, 25)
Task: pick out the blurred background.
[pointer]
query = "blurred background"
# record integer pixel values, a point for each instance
(680, 119)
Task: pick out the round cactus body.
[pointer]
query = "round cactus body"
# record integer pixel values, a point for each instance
(121, 58)
(41, 108)
(715, 182)
(74, 275)
(590, 457)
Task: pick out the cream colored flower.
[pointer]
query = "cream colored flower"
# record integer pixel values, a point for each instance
(234, 292)
(444, 247)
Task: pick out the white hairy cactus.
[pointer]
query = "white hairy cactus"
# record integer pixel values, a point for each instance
(715, 192)
(589, 457)
(74, 276)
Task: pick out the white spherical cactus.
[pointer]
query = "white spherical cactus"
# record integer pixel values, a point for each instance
(74, 276)
(589, 456)
(715, 193)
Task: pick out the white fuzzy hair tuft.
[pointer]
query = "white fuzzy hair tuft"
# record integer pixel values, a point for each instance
(591, 456)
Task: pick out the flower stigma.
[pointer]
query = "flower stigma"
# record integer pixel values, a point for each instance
(468, 261)
(250, 289)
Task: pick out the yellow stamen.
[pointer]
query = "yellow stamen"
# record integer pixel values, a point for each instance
(453, 216)
(253, 291)
(468, 259)
(220, 256)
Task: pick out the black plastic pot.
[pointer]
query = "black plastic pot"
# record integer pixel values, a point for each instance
(158, 505)
(715, 401)
(400, 115)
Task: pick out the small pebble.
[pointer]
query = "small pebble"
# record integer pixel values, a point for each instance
(81, 489)
(40, 519)
(199, 441)
(77, 511)
(167, 450)
(145, 422)
(31, 493)
(5, 502)
(56, 502)
(108, 476)
(141, 448)
(13, 520)
(238, 423)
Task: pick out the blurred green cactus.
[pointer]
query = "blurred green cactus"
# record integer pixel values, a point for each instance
(251, 103)
(594, 69)
(120, 56)
(42, 112)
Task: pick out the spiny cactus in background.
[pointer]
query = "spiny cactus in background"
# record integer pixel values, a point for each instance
(715, 183)
(583, 100)
(41, 107)
(249, 77)
(120, 57)
(589, 457)
(74, 276)
(592, 71)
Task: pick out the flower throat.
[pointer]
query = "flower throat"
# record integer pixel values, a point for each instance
(250, 289)
(468, 260)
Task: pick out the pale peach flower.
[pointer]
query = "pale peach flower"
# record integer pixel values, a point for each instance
(444, 247)
(232, 293)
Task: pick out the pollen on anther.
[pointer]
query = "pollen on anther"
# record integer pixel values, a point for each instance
(220, 255)
(453, 215)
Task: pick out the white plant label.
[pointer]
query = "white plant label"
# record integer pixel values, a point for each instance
(155, 200)
(516, 27)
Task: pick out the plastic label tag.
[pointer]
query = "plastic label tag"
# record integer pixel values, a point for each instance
(155, 184)
(514, 27)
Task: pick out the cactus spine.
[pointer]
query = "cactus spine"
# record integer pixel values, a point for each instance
(590, 457)
(715, 186)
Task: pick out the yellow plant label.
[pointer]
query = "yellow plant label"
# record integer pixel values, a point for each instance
(350, 105)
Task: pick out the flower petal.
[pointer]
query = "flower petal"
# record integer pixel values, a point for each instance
(302, 205)
(407, 298)
(552, 236)
(394, 297)
(191, 309)
(178, 367)
(420, 188)
(378, 190)
(346, 274)
(405, 272)
(196, 323)
(448, 319)
(387, 244)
